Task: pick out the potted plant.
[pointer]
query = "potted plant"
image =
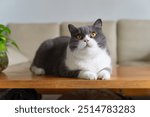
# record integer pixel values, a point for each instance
(4, 42)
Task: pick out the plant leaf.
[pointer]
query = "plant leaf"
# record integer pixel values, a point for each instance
(7, 30)
(2, 46)
(3, 38)
(4, 30)
(1, 28)
(12, 42)
(1, 25)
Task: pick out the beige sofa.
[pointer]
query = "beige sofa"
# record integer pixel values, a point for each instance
(128, 40)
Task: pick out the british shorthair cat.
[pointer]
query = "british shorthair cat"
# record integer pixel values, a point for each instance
(83, 55)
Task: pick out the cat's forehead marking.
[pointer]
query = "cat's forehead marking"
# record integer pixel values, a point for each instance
(85, 29)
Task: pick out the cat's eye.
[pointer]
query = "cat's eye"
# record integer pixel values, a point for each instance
(79, 36)
(93, 34)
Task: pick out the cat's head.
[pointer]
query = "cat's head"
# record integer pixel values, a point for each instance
(87, 36)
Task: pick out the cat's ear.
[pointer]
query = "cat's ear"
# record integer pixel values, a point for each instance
(72, 28)
(98, 23)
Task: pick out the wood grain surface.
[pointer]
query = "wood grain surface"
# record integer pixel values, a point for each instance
(123, 77)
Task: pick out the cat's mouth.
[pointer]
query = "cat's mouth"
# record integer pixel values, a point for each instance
(87, 45)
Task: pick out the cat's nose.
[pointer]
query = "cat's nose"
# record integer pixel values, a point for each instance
(86, 40)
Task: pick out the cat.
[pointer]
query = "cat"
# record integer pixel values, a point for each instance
(83, 55)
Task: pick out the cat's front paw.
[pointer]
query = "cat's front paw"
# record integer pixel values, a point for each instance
(88, 75)
(104, 75)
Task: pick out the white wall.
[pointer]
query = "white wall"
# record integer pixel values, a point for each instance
(72, 10)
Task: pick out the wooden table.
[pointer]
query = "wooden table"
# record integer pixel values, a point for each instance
(126, 79)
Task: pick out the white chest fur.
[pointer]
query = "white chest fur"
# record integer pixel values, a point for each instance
(89, 59)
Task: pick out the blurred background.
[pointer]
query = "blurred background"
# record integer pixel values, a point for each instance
(72, 10)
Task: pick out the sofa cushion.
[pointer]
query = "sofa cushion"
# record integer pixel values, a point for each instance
(30, 36)
(133, 41)
(109, 29)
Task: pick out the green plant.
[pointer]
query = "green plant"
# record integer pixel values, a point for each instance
(4, 38)
(4, 42)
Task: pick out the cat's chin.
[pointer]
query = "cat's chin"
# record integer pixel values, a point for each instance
(87, 47)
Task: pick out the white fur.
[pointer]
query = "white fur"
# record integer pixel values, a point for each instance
(104, 75)
(90, 59)
(88, 75)
(37, 70)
